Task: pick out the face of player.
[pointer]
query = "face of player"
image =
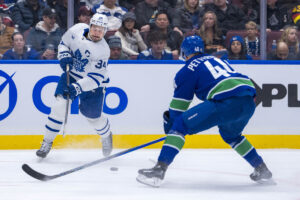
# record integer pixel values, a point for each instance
(158, 47)
(129, 24)
(18, 42)
(115, 53)
(162, 21)
(236, 47)
(292, 35)
(96, 33)
(209, 20)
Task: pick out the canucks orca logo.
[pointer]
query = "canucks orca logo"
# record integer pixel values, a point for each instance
(79, 63)
(12, 95)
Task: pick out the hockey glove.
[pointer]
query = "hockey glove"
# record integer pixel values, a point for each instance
(66, 61)
(73, 91)
(167, 122)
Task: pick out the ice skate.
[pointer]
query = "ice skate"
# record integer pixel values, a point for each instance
(153, 176)
(262, 174)
(107, 145)
(44, 150)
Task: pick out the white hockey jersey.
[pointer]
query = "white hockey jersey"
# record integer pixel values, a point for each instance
(90, 58)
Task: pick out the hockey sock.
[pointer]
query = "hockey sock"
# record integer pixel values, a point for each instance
(248, 152)
(173, 144)
(55, 119)
(52, 128)
(101, 125)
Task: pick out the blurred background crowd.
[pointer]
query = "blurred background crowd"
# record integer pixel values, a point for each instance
(153, 29)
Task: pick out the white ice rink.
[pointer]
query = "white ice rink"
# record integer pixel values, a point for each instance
(195, 175)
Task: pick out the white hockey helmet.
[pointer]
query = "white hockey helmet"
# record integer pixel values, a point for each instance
(99, 20)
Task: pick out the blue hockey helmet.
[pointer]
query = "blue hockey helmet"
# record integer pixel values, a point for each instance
(190, 45)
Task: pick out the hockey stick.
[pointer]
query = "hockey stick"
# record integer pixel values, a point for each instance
(68, 101)
(42, 177)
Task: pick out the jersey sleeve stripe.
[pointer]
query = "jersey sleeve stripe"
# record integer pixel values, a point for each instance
(96, 74)
(76, 75)
(227, 85)
(179, 104)
(97, 82)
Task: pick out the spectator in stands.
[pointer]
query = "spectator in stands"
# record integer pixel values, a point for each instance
(296, 15)
(129, 4)
(5, 9)
(277, 17)
(6, 5)
(5, 36)
(46, 35)
(186, 18)
(61, 9)
(52, 3)
(113, 12)
(229, 16)
(157, 51)
(289, 36)
(174, 38)
(26, 14)
(84, 15)
(132, 41)
(236, 50)
(252, 40)
(115, 45)
(281, 53)
(146, 10)
(211, 34)
(251, 9)
(91, 3)
(19, 50)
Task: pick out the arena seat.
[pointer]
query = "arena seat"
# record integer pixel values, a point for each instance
(109, 33)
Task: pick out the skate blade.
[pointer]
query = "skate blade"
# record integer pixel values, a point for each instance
(153, 182)
(267, 182)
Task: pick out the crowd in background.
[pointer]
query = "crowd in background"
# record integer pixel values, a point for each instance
(153, 29)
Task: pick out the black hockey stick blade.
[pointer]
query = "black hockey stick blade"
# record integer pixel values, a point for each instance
(43, 177)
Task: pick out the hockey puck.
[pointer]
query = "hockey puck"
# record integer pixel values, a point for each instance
(114, 169)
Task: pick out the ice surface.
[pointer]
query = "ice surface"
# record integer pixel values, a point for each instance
(207, 174)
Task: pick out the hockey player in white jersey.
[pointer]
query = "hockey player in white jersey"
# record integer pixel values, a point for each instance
(86, 52)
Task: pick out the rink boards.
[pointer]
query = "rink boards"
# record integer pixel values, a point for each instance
(138, 94)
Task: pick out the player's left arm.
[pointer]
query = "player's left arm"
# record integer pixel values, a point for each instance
(92, 81)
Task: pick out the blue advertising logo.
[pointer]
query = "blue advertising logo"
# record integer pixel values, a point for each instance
(12, 93)
(37, 99)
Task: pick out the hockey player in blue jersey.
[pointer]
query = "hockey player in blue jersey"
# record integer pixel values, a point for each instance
(228, 102)
(85, 50)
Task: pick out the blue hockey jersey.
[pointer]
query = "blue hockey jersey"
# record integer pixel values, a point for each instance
(209, 78)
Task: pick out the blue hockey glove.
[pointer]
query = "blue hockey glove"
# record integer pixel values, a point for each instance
(73, 91)
(167, 122)
(66, 61)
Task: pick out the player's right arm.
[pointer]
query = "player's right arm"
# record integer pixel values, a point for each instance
(184, 84)
(64, 53)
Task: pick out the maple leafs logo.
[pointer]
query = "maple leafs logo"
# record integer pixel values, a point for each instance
(79, 63)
